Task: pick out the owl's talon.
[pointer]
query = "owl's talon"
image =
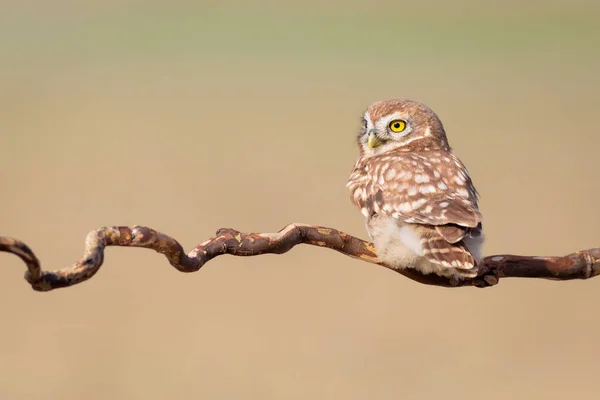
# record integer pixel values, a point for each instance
(454, 281)
(491, 280)
(486, 281)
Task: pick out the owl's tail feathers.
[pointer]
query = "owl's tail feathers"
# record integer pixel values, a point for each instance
(439, 251)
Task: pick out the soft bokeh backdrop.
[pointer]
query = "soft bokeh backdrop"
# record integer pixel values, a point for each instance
(188, 117)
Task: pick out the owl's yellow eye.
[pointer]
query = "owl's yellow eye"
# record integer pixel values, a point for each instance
(397, 125)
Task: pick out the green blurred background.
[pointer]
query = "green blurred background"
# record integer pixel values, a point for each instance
(191, 117)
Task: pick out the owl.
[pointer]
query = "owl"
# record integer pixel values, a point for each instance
(419, 202)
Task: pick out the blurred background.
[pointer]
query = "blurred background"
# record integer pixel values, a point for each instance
(188, 117)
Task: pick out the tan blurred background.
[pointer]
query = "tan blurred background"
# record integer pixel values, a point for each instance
(188, 118)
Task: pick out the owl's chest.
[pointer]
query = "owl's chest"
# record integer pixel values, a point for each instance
(396, 244)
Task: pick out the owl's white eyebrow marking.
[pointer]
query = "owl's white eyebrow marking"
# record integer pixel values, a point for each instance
(382, 122)
(367, 118)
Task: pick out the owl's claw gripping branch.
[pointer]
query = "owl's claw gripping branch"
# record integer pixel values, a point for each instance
(581, 265)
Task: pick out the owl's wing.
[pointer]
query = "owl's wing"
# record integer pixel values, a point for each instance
(413, 188)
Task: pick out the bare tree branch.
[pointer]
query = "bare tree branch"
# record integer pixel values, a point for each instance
(580, 265)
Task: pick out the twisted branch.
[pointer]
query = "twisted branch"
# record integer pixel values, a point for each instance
(580, 265)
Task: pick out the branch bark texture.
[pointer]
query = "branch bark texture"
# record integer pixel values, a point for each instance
(580, 265)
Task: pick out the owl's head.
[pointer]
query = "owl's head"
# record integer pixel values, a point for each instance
(401, 124)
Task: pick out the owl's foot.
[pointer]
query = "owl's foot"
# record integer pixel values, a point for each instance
(486, 281)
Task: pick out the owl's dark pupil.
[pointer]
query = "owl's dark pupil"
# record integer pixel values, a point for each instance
(396, 125)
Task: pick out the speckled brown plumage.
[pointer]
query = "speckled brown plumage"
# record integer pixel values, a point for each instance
(413, 178)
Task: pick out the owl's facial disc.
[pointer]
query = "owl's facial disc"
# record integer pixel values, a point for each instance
(400, 125)
(384, 133)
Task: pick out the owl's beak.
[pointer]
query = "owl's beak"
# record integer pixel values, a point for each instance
(373, 141)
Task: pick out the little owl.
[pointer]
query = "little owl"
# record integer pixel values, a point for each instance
(417, 197)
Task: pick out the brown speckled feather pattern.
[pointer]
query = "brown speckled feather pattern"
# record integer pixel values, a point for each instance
(421, 184)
